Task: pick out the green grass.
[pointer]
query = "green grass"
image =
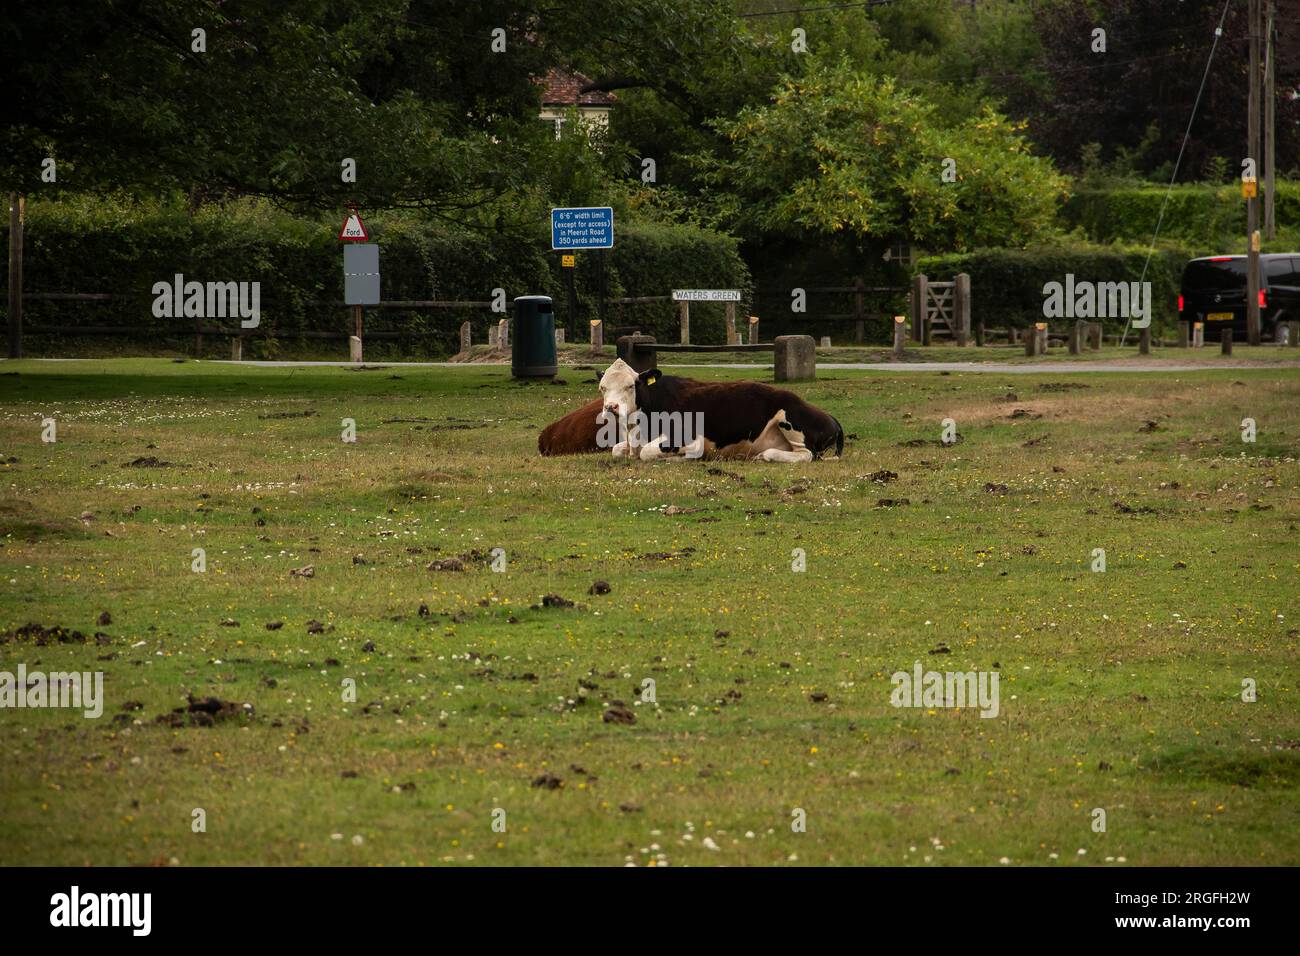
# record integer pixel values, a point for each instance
(1119, 690)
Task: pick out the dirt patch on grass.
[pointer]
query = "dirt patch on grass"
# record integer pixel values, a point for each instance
(1279, 768)
(1098, 404)
(18, 519)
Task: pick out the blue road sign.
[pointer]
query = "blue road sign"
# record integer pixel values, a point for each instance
(582, 227)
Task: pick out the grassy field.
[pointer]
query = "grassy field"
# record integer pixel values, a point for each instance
(1120, 690)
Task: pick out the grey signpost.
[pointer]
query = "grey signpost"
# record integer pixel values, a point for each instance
(360, 285)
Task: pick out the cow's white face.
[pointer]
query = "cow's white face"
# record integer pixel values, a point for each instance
(618, 389)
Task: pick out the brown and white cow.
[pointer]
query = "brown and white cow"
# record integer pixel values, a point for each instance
(574, 434)
(778, 424)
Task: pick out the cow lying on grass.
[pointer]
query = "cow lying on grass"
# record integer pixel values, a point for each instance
(734, 419)
(579, 432)
(574, 434)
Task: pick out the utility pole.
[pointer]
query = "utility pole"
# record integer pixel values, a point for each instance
(17, 205)
(1252, 204)
(1270, 95)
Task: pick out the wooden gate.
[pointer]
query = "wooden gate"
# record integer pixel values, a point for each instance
(941, 308)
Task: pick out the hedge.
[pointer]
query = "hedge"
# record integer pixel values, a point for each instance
(123, 245)
(1210, 218)
(1007, 284)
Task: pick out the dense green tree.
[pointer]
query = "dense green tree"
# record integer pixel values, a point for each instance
(841, 153)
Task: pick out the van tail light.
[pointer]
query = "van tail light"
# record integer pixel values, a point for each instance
(1263, 299)
(1180, 303)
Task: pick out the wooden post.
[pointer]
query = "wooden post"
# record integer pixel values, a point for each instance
(1144, 341)
(236, 348)
(1076, 337)
(961, 307)
(732, 337)
(1184, 338)
(1225, 342)
(918, 307)
(1293, 338)
(684, 319)
(1094, 334)
(1270, 120)
(900, 335)
(354, 347)
(602, 287)
(753, 330)
(17, 210)
(571, 293)
(1254, 31)
(979, 335)
(597, 334)
(466, 337)
(198, 337)
(859, 317)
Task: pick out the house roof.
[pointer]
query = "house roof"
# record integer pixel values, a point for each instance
(561, 88)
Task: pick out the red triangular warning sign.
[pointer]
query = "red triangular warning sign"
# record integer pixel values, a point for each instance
(353, 230)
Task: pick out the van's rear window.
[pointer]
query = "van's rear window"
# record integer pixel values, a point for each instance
(1203, 275)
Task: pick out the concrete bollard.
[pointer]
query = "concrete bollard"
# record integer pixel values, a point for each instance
(559, 336)
(1225, 342)
(466, 339)
(354, 346)
(597, 334)
(236, 348)
(795, 358)
(503, 335)
(826, 342)
(1198, 335)
(493, 332)
(900, 335)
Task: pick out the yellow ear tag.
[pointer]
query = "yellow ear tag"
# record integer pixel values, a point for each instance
(652, 379)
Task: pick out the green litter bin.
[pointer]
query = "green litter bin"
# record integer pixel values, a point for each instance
(533, 354)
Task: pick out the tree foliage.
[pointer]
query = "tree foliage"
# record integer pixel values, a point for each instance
(838, 152)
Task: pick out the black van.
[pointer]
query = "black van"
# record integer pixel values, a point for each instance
(1214, 292)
